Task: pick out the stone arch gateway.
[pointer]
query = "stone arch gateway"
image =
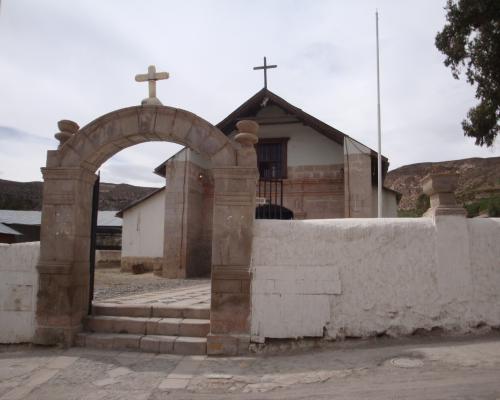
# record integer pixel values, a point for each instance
(65, 231)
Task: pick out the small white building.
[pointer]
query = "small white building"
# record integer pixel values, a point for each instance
(143, 232)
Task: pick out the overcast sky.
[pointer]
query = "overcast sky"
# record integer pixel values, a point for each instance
(77, 60)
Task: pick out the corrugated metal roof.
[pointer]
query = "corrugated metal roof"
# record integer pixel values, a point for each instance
(6, 230)
(104, 218)
(20, 217)
(134, 203)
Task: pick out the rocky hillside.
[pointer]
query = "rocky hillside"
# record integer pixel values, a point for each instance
(28, 195)
(478, 178)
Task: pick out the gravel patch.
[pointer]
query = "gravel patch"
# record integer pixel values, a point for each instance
(110, 282)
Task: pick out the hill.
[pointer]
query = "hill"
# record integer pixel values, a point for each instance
(28, 195)
(479, 178)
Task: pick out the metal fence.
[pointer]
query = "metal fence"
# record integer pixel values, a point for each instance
(270, 195)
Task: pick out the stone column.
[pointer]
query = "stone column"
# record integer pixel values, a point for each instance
(453, 273)
(357, 180)
(187, 239)
(64, 254)
(176, 208)
(441, 190)
(234, 213)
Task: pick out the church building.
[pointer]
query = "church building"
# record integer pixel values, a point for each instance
(308, 170)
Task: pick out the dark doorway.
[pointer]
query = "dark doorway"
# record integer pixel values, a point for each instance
(273, 211)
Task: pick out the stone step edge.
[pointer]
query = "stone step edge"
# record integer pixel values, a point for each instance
(188, 327)
(150, 311)
(181, 345)
(148, 319)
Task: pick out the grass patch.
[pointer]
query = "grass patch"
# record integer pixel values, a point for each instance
(487, 205)
(413, 213)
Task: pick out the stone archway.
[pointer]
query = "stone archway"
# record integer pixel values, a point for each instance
(65, 231)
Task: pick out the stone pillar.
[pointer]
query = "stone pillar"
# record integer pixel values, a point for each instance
(64, 254)
(234, 213)
(175, 237)
(453, 273)
(187, 232)
(357, 180)
(441, 190)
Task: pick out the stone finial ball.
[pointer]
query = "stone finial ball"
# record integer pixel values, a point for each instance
(247, 126)
(65, 125)
(246, 139)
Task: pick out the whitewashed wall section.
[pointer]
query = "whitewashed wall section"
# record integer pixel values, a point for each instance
(363, 277)
(142, 233)
(18, 291)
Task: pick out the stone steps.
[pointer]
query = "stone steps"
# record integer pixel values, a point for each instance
(145, 343)
(154, 328)
(151, 311)
(148, 326)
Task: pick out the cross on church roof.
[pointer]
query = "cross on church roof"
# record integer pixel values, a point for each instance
(265, 67)
(151, 77)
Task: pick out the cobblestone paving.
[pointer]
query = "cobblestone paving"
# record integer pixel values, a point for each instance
(464, 368)
(195, 295)
(110, 283)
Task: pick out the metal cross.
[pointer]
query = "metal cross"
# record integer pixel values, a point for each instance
(151, 77)
(265, 67)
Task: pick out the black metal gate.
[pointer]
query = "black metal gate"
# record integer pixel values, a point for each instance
(93, 234)
(270, 195)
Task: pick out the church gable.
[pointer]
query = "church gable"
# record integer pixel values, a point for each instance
(304, 146)
(264, 99)
(274, 112)
(277, 118)
(315, 141)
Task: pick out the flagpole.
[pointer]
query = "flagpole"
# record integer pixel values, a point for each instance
(379, 157)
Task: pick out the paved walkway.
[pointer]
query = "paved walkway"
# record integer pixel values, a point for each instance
(466, 368)
(111, 282)
(195, 295)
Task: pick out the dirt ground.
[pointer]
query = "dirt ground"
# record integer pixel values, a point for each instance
(110, 282)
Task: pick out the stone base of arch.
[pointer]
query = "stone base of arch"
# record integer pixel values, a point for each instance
(64, 259)
(64, 254)
(234, 205)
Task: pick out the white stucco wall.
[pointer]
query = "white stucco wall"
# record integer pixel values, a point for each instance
(362, 277)
(18, 291)
(143, 229)
(305, 145)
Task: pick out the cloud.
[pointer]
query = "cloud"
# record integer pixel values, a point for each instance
(133, 174)
(135, 164)
(8, 133)
(77, 60)
(23, 154)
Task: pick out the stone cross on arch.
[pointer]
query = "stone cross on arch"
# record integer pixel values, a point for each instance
(151, 77)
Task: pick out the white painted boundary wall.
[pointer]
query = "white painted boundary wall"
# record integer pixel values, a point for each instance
(362, 277)
(18, 291)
